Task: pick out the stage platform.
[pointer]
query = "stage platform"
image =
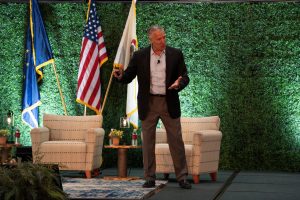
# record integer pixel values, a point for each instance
(230, 185)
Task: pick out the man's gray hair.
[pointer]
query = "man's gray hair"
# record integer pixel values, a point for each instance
(154, 28)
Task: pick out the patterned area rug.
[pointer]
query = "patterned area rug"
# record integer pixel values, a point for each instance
(96, 188)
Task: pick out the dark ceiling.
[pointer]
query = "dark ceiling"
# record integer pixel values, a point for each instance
(147, 1)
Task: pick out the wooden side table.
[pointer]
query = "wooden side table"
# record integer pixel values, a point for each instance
(5, 148)
(122, 158)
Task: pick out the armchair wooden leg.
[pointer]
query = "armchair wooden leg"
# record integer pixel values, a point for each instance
(96, 172)
(166, 176)
(213, 176)
(196, 179)
(88, 174)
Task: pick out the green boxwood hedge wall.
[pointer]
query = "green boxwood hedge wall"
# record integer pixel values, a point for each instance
(243, 61)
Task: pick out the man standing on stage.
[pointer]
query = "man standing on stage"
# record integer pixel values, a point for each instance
(161, 74)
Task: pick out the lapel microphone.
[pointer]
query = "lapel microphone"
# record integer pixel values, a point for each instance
(158, 61)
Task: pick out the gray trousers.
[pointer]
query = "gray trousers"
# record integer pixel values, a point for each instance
(158, 110)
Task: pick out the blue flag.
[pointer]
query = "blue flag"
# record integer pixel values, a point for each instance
(38, 54)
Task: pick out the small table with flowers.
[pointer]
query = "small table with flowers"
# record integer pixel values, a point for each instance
(122, 158)
(4, 149)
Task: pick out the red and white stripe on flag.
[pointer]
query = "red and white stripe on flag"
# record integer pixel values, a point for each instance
(92, 56)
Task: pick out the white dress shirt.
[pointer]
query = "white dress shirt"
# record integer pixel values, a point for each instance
(157, 73)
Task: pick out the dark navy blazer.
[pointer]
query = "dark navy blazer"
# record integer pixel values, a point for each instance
(139, 66)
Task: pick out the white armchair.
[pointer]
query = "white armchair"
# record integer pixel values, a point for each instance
(72, 142)
(202, 141)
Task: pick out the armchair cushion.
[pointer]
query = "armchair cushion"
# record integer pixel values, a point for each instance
(70, 127)
(200, 123)
(70, 154)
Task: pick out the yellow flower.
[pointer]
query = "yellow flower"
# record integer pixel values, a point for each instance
(4, 132)
(116, 133)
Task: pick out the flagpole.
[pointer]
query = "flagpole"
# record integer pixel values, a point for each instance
(59, 89)
(107, 90)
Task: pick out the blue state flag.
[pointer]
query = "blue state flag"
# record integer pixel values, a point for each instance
(38, 54)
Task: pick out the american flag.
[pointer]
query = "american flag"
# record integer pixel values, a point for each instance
(92, 56)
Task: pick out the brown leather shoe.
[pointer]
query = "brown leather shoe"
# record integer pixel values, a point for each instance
(185, 184)
(149, 184)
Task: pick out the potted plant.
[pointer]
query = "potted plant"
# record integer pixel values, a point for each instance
(27, 181)
(115, 135)
(3, 136)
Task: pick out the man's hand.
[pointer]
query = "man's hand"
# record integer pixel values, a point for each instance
(118, 73)
(175, 85)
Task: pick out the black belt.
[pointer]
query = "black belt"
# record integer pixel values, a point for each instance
(158, 95)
